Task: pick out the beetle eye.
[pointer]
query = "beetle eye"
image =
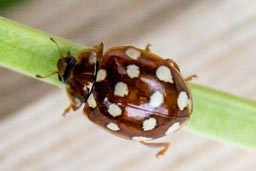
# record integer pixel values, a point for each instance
(70, 60)
(65, 66)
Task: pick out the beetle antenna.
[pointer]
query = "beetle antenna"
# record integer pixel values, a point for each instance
(54, 72)
(60, 52)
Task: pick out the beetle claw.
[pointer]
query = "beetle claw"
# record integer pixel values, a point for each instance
(191, 77)
(163, 145)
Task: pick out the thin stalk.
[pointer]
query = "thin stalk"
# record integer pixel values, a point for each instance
(223, 116)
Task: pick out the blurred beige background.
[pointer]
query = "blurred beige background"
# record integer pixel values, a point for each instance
(214, 39)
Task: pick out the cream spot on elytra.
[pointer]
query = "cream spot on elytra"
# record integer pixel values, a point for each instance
(121, 89)
(164, 74)
(133, 71)
(114, 110)
(133, 53)
(182, 100)
(149, 124)
(112, 126)
(156, 99)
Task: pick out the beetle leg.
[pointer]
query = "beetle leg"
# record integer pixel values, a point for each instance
(164, 145)
(190, 77)
(147, 48)
(172, 63)
(67, 110)
(75, 102)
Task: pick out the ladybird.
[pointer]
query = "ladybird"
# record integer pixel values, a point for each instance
(127, 91)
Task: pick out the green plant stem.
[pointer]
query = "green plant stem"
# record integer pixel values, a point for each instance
(216, 114)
